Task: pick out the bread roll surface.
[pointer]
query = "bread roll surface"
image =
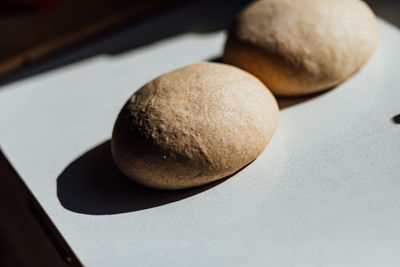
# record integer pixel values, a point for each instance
(298, 47)
(192, 126)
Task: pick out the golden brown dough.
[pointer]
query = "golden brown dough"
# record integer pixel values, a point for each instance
(192, 126)
(298, 47)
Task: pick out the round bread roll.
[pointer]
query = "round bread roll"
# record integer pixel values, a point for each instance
(193, 126)
(298, 47)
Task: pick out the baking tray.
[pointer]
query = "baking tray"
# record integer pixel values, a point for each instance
(324, 192)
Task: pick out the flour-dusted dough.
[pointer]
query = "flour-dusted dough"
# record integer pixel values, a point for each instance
(297, 47)
(193, 126)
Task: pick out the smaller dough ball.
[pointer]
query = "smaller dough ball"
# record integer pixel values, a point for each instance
(192, 126)
(298, 47)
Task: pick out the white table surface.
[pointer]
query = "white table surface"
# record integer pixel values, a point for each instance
(326, 191)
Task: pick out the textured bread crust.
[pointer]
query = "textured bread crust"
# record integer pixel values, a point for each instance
(193, 126)
(298, 47)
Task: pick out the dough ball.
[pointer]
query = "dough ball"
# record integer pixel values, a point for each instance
(192, 126)
(298, 47)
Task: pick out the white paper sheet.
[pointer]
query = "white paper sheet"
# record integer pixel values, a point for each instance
(324, 193)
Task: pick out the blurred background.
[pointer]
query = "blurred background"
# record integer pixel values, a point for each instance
(43, 35)
(38, 35)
